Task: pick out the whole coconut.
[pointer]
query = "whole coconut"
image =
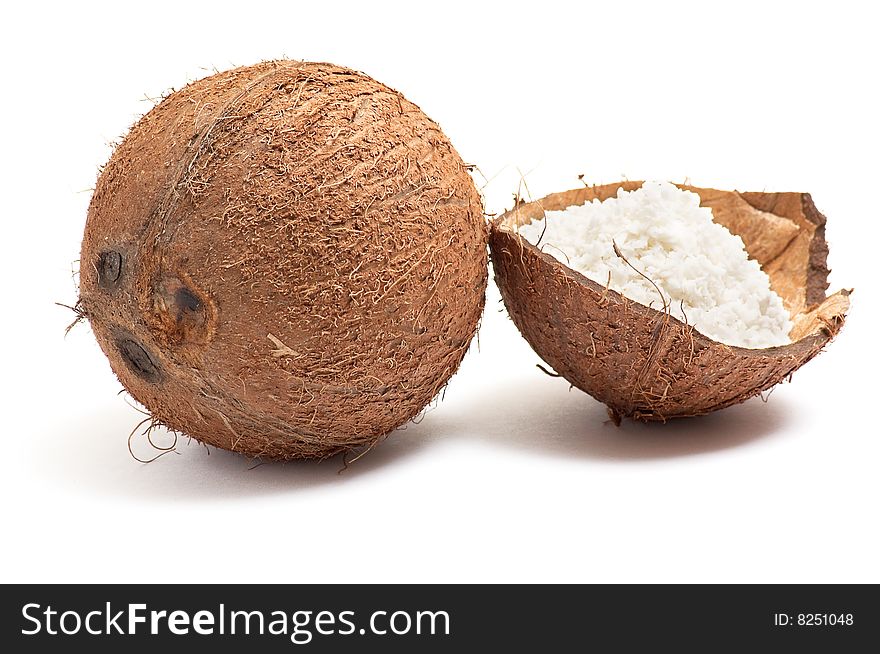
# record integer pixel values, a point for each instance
(286, 260)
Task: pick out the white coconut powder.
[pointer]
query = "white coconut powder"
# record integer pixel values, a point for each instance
(702, 269)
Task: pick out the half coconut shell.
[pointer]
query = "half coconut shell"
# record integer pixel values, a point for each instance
(646, 364)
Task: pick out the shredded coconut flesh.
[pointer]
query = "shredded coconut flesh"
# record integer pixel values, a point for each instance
(702, 270)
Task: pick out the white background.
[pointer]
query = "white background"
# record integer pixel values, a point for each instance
(513, 477)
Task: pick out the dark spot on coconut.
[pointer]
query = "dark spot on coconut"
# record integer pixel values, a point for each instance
(184, 314)
(109, 268)
(187, 302)
(138, 360)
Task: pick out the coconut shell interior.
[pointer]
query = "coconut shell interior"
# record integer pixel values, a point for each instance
(646, 364)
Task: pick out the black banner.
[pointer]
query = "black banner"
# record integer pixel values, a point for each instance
(289, 618)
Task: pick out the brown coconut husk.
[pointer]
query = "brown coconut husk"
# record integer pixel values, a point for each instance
(643, 363)
(286, 260)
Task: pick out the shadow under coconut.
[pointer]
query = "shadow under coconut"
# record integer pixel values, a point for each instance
(552, 419)
(90, 455)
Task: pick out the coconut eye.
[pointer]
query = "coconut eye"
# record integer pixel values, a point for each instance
(186, 301)
(138, 360)
(183, 315)
(109, 268)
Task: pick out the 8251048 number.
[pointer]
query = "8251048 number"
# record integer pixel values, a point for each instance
(824, 619)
